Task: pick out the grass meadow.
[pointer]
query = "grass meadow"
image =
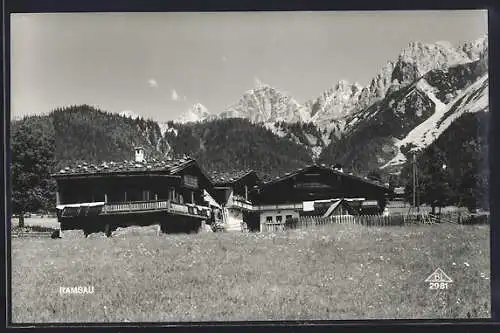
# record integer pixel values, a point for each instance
(330, 272)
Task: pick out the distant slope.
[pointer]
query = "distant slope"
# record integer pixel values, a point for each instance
(306, 134)
(236, 144)
(399, 97)
(84, 133)
(409, 118)
(471, 100)
(463, 149)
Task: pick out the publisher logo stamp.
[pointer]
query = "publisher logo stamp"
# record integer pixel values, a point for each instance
(438, 280)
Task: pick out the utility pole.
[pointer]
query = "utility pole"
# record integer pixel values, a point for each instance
(414, 173)
(417, 193)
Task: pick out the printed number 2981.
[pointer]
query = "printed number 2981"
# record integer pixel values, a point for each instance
(438, 285)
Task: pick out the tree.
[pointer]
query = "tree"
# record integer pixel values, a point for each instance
(434, 180)
(32, 156)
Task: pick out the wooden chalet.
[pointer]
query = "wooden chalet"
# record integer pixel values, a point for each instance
(177, 195)
(231, 190)
(295, 194)
(102, 197)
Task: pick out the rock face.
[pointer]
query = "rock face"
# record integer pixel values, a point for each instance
(334, 105)
(413, 62)
(198, 112)
(411, 118)
(477, 49)
(266, 104)
(425, 81)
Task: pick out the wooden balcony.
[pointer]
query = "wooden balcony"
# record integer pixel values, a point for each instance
(239, 202)
(134, 207)
(156, 205)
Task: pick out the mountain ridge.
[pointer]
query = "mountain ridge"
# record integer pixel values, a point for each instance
(330, 111)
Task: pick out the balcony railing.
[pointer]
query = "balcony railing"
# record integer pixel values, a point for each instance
(240, 202)
(157, 205)
(135, 206)
(117, 208)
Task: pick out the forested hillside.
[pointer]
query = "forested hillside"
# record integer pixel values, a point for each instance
(237, 144)
(41, 145)
(454, 169)
(86, 133)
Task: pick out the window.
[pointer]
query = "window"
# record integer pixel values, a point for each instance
(190, 181)
(289, 217)
(269, 219)
(279, 218)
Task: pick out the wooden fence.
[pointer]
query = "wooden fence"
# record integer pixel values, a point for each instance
(308, 221)
(463, 218)
(377, 220)
(35, 234)
(368, 220)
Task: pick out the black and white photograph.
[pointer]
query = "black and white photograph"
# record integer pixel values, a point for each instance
(175, 167)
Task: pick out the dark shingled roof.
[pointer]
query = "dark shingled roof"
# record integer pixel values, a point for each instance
(269, 180)
(124, 167)
(219, 178)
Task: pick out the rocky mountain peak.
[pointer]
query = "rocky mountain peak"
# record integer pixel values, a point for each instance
(476, 49)
(197, 112)
(425, 57)
(334, 104)
(266, 104)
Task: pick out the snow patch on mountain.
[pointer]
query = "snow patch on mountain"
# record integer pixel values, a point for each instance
(429, 90)
(473, 99)
(313, 141)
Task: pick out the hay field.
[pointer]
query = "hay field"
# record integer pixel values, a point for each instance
(330, 272)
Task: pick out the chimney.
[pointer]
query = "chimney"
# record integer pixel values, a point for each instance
(139, 154)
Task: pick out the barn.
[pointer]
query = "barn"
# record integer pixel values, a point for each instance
(314, 190)
(102, 197)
